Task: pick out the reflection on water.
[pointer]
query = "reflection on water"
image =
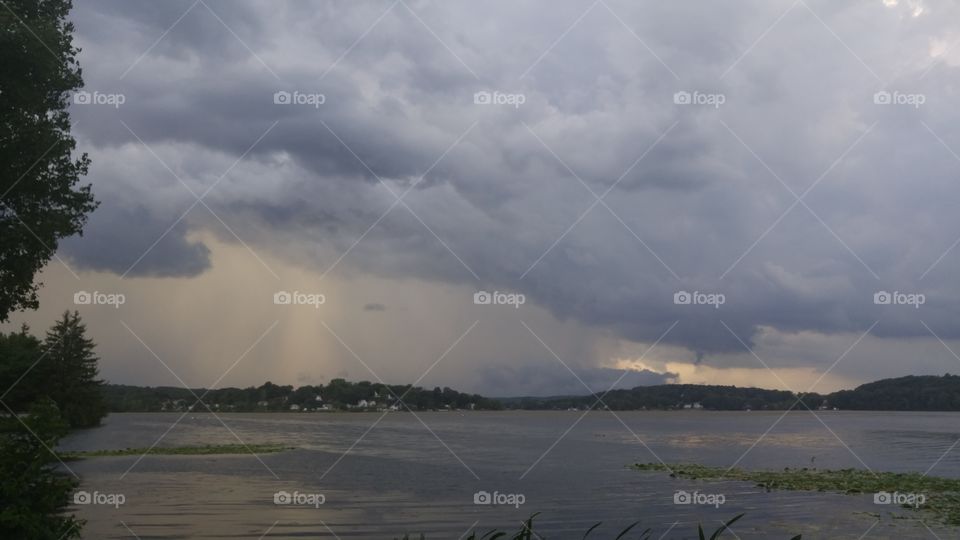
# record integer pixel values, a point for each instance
(404, 477)
(713, 440)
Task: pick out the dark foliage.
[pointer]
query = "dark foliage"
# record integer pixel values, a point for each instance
(33, 494)
(40, 199)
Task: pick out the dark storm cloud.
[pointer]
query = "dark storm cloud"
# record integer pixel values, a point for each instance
(704, 210)
(111, 243)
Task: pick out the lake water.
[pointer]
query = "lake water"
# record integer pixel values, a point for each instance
(385, 475)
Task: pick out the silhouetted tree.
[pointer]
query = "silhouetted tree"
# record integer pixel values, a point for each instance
(40, 203)
(40, 200)
(72, 372)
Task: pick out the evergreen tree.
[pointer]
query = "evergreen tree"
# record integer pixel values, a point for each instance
(72, 371)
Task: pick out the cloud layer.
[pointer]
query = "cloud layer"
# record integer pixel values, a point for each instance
(600, 197)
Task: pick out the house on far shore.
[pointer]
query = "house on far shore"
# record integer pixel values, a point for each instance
(294, 407)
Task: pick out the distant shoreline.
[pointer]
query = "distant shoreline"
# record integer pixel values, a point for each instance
(491, 411)
(927, 393)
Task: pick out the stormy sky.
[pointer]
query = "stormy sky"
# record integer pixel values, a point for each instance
(753, 193)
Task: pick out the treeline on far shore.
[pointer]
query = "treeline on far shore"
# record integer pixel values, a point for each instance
(337, 395)
(910, 393)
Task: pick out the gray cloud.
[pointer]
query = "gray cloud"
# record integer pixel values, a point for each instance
(111, 244)
(705, 204)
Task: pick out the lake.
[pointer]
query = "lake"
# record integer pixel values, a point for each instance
(380, 476)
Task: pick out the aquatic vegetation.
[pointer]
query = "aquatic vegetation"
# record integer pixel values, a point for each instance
(215, 449)
(940, 496)
(526, 532)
